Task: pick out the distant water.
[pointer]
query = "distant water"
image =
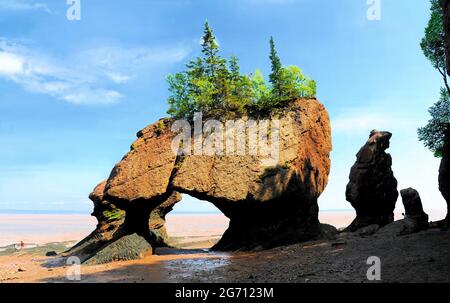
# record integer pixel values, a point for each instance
(44, 228)
(43, 212)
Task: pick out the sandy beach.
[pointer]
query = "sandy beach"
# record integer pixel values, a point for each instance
(190, 261)
(421, 257)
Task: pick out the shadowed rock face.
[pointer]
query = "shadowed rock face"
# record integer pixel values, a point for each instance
(157, 218)
(415, 218)
(413, 205)
(372, 189)
(267, 205)
(444, 179)
(109, 220)
(444, 185)
(128, 247)
(414, 209)
(444, 169)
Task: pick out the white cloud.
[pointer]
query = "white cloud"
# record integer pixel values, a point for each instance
(92, 76)
(10, 64)
(23, 5)
(93, 96)
(113, 59)
(118, 77)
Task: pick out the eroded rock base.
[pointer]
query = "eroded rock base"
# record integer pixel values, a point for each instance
(267, 226)
(129, 247)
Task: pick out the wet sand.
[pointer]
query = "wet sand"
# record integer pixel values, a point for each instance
(158, 268)
(193, 231)
(421, 257)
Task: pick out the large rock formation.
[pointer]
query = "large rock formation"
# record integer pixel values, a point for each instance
(109, 220)
(372, 189)
(269, 203)
(415, 218)
(413, 208)
(444, 169)
(127, 247)
(444, 178)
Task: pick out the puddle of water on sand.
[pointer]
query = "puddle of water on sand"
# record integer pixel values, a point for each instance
(314, 245)
(186, 268)
(53, 262)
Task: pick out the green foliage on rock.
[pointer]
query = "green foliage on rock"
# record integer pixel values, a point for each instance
(160, 127)
(214, 86)
(113, 214)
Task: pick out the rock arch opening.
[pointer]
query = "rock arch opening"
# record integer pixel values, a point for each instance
(195, 224)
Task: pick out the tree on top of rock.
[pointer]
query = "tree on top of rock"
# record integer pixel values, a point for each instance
(216, 88)
(234, 68)
(289, 82)
(275, 76)
(210, 51)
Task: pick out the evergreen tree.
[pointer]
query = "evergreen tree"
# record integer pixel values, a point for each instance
(196, 68)
(239, 96)
(215, 87)
(215, 67)
(210, 51)
(180, 105)
(234, 68)
(275, 76)
(260, 92)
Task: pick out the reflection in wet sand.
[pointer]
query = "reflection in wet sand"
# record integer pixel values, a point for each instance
(318, 261)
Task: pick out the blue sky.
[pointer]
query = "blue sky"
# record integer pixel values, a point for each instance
(74, 93)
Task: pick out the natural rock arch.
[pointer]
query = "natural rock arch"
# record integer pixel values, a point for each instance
(267, 206)
(194, 224)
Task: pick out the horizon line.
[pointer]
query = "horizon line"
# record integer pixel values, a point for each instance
(83, 212)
